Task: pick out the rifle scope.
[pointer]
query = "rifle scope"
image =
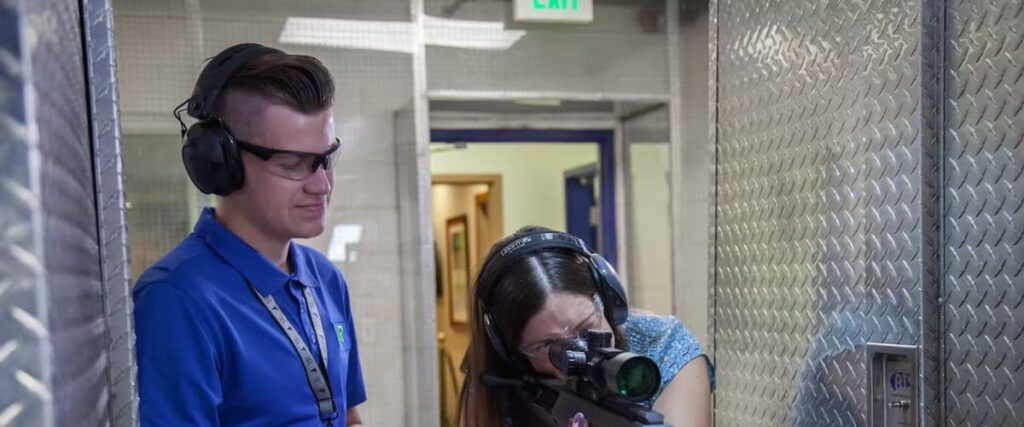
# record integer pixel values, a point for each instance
(591, 360)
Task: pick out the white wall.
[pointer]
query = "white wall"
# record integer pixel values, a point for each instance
(694, 219)
(533, 182)
(613, 54)
(651, 257)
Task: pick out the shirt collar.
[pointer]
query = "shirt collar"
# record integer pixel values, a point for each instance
(256, 268)
(301, 265)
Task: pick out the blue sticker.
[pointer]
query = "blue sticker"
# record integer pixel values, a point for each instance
(899, 380)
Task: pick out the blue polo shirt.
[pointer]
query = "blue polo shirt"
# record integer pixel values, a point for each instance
(210, 353)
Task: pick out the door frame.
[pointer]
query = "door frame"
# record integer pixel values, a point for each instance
(605, 140)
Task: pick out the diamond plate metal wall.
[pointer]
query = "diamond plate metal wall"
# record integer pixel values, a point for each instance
(819, 204)
(983, 216)
(931, 90)
(713, 44)
(53, 353)
(25, 385)
(77, 325)
(110, 198)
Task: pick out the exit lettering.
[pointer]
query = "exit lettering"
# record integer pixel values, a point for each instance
(556, 4)
(554, 11)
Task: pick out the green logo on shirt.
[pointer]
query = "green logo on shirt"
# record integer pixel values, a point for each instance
(339, 328)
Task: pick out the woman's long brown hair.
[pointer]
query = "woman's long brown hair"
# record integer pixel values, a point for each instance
(512, 299)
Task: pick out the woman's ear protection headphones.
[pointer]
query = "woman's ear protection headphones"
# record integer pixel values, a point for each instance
(609, 288)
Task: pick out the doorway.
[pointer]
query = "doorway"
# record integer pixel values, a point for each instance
(467, 218)
(606, 236)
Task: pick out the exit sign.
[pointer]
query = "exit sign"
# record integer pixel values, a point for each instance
(572, 11)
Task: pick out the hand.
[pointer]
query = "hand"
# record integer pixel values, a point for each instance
(578, 421)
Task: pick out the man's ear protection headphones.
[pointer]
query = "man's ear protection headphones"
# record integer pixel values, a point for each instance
(210, 153)
(609, 289)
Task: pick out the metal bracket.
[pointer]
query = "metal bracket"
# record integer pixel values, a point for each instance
(893, 385)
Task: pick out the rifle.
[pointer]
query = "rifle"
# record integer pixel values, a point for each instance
(605, 384)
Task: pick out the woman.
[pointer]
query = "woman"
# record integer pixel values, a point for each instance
(539, 287)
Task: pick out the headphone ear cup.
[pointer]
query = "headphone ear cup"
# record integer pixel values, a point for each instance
(234, 173)
(496, 342)
(211, 158)
(495, 339)
(613, 295)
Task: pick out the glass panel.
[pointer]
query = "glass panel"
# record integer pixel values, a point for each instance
(161, 47)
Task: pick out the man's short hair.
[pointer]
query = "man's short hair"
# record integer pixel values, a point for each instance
(300, 82)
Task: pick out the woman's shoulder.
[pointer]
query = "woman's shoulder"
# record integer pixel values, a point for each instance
(664, 339)
(646, 332)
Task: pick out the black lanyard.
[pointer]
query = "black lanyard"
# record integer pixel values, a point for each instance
(317, 381)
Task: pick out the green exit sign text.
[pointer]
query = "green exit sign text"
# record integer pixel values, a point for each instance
(572, 11)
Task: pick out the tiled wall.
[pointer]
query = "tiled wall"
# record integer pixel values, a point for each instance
(614, 54)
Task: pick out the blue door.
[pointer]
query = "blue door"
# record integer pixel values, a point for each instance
(579, 203)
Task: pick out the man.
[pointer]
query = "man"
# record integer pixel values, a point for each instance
(238, 325)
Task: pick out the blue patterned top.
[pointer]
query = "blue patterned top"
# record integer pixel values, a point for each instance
(666, 341)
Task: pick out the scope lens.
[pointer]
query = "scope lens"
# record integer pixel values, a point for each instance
(638, 378)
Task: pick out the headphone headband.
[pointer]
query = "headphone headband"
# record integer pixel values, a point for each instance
(528, 244)
(209, 152)
(216, 74)
(609, 288)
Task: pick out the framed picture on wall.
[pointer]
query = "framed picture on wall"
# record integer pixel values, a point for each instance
(438, 273)
(457, 231)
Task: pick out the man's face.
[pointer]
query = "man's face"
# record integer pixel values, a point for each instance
(284, 206)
